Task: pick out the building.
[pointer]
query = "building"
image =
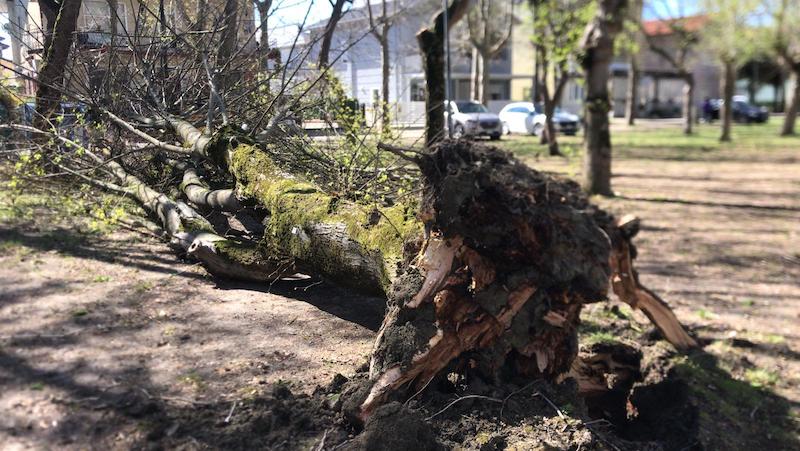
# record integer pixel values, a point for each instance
(98, 24)
(660, 87)
(356, 59)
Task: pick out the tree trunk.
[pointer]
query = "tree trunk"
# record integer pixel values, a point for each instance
(728, 85)
(431, 45)
(632, 97)
(688, 104)
(51, 73)
(385, 74)
(475, 77)
(794, 106)
(486, 79)
(598, 47)
(327, 36)
(351, 244)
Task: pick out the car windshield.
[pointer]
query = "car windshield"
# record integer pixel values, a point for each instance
(471, 107)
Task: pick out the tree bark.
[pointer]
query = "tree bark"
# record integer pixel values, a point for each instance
(794, 106)
(431, 45)
(330, 28)
(385, 74)
(351, 244)
(475, 75)
(632, 95)
(598, 48)
(728, 85)
(51, 73)
(688, 104)
(486, 79)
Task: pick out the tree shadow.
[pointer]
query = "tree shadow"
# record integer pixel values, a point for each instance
(366, 311)
(710, 204)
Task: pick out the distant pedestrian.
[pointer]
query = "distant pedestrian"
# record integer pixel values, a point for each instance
(708, 111)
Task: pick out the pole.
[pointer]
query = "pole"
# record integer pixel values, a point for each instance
(448, 107)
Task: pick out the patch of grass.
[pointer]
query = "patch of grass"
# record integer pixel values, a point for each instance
(599, 337)
(37, 386)
(77, 313)
(705, 314)
(759, 377)
(143, 286)
(101, 279)
(194, 380)
(747, 302)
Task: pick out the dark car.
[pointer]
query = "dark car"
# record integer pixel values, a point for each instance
(747, 112)
(743, 111)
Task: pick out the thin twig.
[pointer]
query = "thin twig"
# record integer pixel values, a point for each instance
(558, 411)
(487, 398)
(230, 414)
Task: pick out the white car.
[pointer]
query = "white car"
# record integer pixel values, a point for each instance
(524, 117)
(473, 119)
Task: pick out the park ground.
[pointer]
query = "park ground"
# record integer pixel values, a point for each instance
(109, 341)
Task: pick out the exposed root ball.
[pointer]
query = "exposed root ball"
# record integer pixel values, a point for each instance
(510, 256)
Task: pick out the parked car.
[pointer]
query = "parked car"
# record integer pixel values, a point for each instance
(527, 118)
(743, 111)
(473, 119)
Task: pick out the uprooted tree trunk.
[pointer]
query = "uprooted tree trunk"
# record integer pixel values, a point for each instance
(489, 277)
(509, 258)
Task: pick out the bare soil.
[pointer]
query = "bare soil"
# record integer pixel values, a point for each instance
(109, 341)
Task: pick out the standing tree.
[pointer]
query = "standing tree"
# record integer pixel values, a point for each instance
(631, 46)
(786, 45)
(431, 46)
(729, 36)
(330, 28)
(62, 20)
(685, 35)
(556, 40)
(490, 25)
(598, 51)
(380, 28)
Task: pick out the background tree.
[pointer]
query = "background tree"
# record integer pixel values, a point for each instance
(431, 46)
(380, 27)
(490, 24)
(630, 44)
(62, 20)
(730, 36)
(558, 26)
(597, 46)
(330, 28)
(786, 46)
(677, 53)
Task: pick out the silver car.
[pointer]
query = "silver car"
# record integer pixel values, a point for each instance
(473, 119)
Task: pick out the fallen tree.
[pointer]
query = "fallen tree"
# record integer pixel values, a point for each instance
(488, 276)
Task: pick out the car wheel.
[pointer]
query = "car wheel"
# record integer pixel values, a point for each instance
(495, 137)
(506, 130)
(538, 129)
(458, 131)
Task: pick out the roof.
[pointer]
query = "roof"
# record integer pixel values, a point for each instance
(661, 27)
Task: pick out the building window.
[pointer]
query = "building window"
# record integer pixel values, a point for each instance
(417, 91)
(97, 15)
(499, 90)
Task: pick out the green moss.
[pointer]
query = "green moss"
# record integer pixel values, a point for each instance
(231, 250)
(599, 337)
(295, 205)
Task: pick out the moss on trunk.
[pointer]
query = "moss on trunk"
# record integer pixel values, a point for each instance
(347, 242)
